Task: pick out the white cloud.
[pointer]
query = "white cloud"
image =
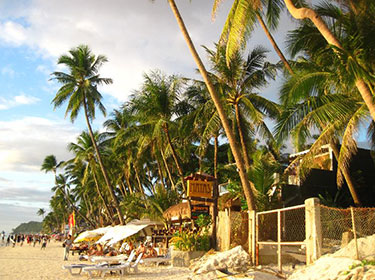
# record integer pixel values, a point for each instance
(18, 100)
(136, 36)
(13, 33)
(26, 142)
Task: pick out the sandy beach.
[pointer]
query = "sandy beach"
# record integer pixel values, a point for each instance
(32, 263)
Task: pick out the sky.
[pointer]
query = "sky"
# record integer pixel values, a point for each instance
(137, 36)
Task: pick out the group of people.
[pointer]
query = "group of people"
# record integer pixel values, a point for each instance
(147, 250)
(29, 238)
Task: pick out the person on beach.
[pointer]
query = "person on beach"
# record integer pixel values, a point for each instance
(141, 249)
(150, 252)
(44, 243)
(13, 241)
(67, 244)
(8, 241)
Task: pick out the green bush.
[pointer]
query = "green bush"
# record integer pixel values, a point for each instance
(191, 241)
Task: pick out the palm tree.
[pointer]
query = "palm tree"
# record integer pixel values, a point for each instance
(50, 164)
(242, 19)
(237, 80)
(79, 89)
(216, 99)
(41, 212)
(360, 74)
(85, 155)
(156, 105)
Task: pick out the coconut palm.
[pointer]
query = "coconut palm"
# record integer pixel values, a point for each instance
(360, 73)
(242, 19)
(238, 81)
(155, 105)
(50, 164)
(84, 152)
(221, 112)
(41, 212)
(80, 90)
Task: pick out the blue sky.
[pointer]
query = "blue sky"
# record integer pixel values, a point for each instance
(136, 36)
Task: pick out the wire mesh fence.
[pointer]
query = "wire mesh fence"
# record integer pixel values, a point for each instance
(239, 229)
(280, 236)
(340, 226)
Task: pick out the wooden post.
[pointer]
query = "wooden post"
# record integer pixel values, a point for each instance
(252, 241)
(214, 213)
(279, 241)
(256, 239)
(354, 233)
(313, 230)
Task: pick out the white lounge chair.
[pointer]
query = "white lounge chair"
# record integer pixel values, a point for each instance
(134, 266)
(79, 266)
(158, 260)
(109, 259)
(98, 271)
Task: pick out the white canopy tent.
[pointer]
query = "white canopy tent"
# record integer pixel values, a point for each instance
(119, 233)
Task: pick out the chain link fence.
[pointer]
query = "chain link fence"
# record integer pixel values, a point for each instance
(340, 226)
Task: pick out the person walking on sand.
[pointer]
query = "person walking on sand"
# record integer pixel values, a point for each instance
(44, 243)
(67, 244)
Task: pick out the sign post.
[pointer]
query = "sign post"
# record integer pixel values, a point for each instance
(203, 188)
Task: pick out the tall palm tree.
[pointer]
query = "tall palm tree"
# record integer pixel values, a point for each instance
(50, 164)
(156, 105)
(79, 89)
(238, 81)
(216, 99)
(242, 19)
(360, 74)
(85, 155)
(41, 212)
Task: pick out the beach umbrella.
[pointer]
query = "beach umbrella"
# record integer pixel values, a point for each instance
(91, 235)
(119, 233)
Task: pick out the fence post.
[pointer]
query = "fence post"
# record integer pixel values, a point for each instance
(313, 230)
(252, 240)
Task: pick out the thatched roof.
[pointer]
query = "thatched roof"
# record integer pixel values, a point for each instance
(179, 211)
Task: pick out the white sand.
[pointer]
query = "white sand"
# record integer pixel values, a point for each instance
(32, 263)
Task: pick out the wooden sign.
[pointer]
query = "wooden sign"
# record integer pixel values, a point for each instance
(197, 188)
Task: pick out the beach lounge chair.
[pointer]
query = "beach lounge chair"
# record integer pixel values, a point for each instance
(158, 260)
(100, 271)
(109, 260)
(77, 268)
(134, 266)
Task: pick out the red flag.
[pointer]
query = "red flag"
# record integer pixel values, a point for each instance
(72, 220)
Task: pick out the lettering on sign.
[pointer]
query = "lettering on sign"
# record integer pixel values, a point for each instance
(197, 210)
(199, 189)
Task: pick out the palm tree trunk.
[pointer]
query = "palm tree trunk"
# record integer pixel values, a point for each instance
(123, 187)
(110, 214)
(303, 13)
(215, 97)
(104, 171)
(242, 138)
(174, 155)
(127, 178)
(347, 177)
(139, 182)
(216, 147)
(160, 171)
(167, 168)
(274, 44)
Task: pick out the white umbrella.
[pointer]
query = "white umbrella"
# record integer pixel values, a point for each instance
(91, 234)
(119, 233)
